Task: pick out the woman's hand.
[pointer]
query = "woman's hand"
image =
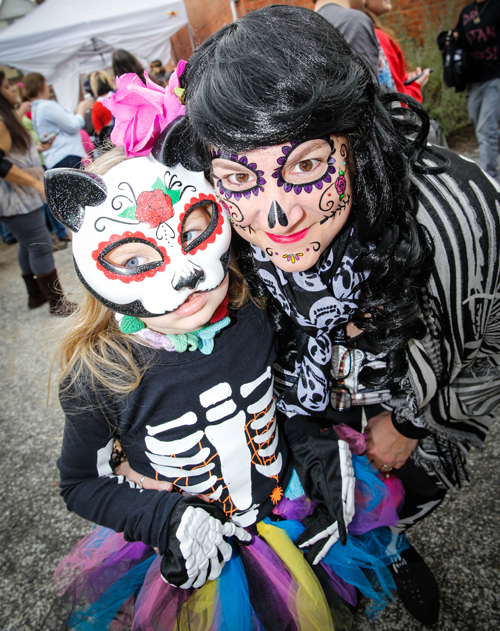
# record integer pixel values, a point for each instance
(23, 108)
(82, 107)
(39, 188)
(44, 146)
(421, 81)
(386, 448)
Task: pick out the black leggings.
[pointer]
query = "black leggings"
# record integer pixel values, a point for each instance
(35, 244)
(422, 495)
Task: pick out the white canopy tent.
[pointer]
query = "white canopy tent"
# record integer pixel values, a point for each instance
(63, 38)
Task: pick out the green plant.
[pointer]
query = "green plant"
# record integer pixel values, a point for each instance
(442, 103)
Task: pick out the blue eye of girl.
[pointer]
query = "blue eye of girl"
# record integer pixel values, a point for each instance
(134, 262)
(188, 236)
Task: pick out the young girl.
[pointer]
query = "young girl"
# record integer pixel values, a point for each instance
(169, 357)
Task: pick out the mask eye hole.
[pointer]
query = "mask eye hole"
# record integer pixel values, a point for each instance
(131, 256)
(198, 224)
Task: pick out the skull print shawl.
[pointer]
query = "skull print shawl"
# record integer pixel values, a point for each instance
(318, 300)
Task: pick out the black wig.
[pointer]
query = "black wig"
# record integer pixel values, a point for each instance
(285, 73)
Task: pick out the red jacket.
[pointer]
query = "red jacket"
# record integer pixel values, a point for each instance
(396, 63)
(101, 116)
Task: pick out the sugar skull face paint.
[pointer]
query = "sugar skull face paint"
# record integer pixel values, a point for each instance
(152, 237)
(291, 200)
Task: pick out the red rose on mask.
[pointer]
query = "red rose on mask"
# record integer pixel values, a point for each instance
(340, 184)
(154, 207)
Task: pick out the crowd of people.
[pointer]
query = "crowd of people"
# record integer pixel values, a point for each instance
(63, 139)
(311, 264)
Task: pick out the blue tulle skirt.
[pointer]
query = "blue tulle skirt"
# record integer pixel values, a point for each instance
(106, 583)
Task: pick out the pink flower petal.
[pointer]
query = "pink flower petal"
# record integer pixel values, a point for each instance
(141, 113)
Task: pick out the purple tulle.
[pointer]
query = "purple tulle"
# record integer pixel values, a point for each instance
(344, 590)
(158, 604)
(106, 583)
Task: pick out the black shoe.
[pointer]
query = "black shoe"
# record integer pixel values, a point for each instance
(416, 586)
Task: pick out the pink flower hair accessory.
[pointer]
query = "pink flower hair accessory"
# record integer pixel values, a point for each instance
(142, 112)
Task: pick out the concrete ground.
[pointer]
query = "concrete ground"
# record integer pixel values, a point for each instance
(460, 541)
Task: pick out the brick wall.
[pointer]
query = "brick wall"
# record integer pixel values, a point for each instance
(413, 16)
(208, 16)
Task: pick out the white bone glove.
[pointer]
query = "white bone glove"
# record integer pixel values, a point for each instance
(324, 465)
(197, 547)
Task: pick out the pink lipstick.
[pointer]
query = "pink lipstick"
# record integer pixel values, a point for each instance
(283, 239)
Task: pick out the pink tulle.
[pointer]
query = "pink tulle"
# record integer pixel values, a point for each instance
(396, 489)
(381, 515)
(95, 549)
(158, 603)
(355, 440)
(142, 112)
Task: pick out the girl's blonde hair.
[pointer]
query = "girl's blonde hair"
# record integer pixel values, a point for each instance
(94, 348)
(101, 83)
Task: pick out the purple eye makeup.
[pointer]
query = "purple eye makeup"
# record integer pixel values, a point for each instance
(297, 187)
(250, 166)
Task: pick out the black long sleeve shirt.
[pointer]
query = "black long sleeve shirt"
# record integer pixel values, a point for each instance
(206, 423)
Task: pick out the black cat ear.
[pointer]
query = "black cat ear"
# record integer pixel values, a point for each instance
(68, 191)
(177, 145)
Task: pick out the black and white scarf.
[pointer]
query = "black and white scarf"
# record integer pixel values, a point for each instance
(318, 301)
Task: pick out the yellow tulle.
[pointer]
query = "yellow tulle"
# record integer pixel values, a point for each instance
(198, 612)
(310, 603)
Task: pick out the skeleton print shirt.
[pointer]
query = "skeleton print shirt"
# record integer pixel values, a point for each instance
(205, 423)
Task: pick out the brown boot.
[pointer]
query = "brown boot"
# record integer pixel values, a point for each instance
(36, 297)
(51, 287)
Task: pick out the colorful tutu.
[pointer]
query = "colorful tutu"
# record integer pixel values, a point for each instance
(106, 583)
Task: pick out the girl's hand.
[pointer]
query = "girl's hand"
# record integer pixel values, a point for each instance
(150, 484)
(386, 448)
(147, 483)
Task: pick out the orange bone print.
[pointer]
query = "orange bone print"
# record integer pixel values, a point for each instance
(228, 506)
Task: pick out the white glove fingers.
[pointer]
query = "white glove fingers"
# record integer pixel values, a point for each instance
(201, 580)
(226, 550)
(216, 566)
(242, 534)
(332, 530)
(228, 529)
(187, 584)
(325, 549)
(349, 504)
(348, 481)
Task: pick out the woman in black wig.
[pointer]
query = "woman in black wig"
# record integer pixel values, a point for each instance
(377, 254)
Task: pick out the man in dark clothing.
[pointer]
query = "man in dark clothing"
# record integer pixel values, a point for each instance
(478, 31)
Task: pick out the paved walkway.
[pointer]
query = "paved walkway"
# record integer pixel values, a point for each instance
(460, 541)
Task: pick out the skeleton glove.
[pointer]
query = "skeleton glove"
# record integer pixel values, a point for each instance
(324, 466)
(197, 548)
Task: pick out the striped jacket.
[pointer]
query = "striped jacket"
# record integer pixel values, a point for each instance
(453, 388)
